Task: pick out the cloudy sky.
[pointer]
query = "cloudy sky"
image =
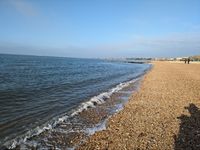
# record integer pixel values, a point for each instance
(100, 28)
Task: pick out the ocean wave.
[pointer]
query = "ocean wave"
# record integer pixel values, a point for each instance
(34, 132)
(101, 98)
(99, 127)
(93, 102)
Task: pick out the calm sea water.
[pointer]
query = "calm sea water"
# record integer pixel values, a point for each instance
(34, 90)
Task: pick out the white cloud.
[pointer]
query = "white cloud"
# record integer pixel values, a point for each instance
(24, 7)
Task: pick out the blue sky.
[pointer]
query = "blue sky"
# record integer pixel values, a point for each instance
(100, 28)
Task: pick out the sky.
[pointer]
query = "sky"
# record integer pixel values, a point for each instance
(100, 28)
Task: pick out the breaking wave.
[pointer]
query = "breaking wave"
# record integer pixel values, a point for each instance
(92, 103)
(101, 98)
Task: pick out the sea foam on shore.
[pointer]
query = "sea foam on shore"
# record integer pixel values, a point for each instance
(163, 114)
(57, 123)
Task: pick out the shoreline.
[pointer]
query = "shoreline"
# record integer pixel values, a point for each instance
(153, 116)
(92, 113)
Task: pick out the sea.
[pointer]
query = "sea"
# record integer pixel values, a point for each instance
(58, 102)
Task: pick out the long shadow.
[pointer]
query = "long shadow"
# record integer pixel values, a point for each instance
(189, 131)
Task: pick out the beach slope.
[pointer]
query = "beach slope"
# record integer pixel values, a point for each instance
(163, 114)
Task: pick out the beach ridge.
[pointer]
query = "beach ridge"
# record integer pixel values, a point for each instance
(163, 114)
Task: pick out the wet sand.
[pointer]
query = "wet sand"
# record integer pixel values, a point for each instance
(163, 114)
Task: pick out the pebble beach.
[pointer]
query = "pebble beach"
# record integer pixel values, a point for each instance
(163, 114)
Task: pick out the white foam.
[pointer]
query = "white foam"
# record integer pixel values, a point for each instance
(38, 130)
(119, 107)
(99, 99)
(99, 127)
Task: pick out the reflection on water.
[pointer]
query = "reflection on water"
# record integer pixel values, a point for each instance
(38, 91)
